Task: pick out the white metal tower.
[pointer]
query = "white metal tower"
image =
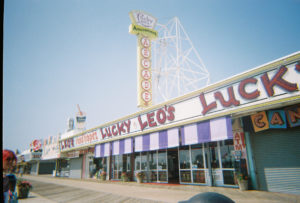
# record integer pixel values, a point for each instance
(177, 67)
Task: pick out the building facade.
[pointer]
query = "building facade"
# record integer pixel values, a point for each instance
(248, 123)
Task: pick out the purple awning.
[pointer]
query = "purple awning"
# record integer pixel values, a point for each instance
(102, 150)
(158, 140)
(212, 130)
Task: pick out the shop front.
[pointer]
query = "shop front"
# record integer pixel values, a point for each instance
(50, 155)
(186, 155)
(275, 141)
(199, 138)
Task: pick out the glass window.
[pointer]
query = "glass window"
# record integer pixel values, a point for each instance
(162, 160)
(227, 158)
(153, 160)
(115, 162)
(214, 155)
(137, 161)
(127, 163)
(199, 176)
(184, 158)
(228, 176)
(120, 164)
(185, 176)
(162, 176)
(153, 176)
(197, 156)
(144, 161)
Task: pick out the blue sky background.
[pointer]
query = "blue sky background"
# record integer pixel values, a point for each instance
(59, 53)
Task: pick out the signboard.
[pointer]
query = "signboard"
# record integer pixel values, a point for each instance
(51, 148)
(142, 26)
(244, 93)
(80, 119)
(35, 156)
(276, 118)
(240, 144)
(84, 139)
(260, 121)
(36, 145)
(142, 19)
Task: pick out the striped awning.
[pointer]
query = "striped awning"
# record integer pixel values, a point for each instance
(158, 140)
(124, 146)
(212, 130)
(102, 150)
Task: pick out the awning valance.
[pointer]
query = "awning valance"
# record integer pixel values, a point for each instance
(124, 146)
(158, 140)
(212, 130)
(102, 150)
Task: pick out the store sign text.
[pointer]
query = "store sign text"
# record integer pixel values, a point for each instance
(153, 119)
(116, 129)
(157, 117)
(67, 144)
(268, 84)
(276, 119)
(86, 138)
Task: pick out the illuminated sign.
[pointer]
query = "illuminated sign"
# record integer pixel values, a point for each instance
(142, 26)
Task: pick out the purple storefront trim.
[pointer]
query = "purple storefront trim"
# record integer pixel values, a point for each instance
(229, 128)
(121, 144)
(182, 136)
(203, 131)
(146, 142)
(163, 139)
(102, 150)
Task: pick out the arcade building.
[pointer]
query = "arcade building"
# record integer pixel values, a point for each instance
(247, 124)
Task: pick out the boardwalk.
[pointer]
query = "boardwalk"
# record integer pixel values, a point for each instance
(48, 189)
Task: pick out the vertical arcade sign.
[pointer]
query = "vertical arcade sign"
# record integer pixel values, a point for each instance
(143, 26)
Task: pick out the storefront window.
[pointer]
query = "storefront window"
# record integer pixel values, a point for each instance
(184, 158)
(228, 177)
(127, 163)
(144, 161)
(185, 176)
(115, 162)
(100, 165)
(199, 176)
(162, 176)
(120, 164)
(137, 161)
(197, 156)
(153, 176)
(226, 148)
(153, 160)
(162, 160)
(214, 155)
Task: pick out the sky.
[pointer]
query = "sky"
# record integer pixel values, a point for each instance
(60, 53)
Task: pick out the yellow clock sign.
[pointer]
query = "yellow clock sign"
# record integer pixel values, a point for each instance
(143, 26)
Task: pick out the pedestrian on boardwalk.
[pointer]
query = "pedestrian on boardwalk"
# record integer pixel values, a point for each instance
(9, 160)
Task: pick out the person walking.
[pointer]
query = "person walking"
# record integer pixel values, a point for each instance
(9, 161)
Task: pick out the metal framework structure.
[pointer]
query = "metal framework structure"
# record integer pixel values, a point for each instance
(177, 68)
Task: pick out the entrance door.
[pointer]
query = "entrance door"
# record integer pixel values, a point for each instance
(214, 164)
(173, 170)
